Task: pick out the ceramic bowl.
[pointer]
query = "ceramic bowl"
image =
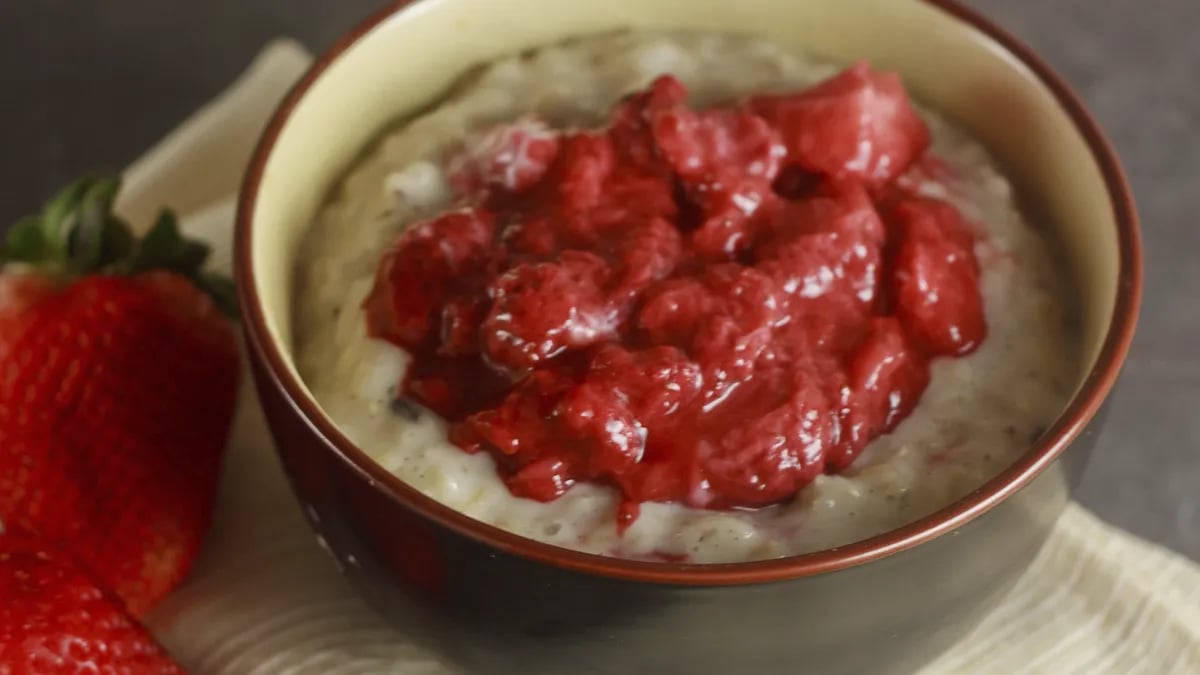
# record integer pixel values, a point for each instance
(500, 604)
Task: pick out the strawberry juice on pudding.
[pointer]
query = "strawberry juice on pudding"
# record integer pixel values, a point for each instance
(684, 297)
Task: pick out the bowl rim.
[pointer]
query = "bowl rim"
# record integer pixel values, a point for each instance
(1079, 412)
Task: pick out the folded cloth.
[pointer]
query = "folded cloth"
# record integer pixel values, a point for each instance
(264, 598)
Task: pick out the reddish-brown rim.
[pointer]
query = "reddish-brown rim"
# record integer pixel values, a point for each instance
(1079, 412)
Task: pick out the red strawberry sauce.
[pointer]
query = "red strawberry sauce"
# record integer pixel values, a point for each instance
(709, 307)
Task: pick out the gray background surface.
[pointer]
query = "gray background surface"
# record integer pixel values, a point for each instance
(90, 85)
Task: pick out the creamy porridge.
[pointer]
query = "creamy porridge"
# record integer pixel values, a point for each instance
(978, 413)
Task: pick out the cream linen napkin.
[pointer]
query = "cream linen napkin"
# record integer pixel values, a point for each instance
(265, 599)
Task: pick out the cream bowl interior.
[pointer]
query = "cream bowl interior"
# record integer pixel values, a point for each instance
(407, 61)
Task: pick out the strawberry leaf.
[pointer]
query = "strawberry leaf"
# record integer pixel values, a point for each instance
(164, 247)
(77, 233)
(26, 242)
(95, 237)
(221, 289)
(60, 214)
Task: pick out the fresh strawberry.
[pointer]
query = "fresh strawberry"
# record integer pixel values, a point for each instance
(54, 619)
(119, 377)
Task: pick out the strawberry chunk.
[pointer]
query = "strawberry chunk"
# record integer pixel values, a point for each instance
(827, 206)
(858, 124)
(653, 383)
(673, 477)
(632, 121)
(544, 480)
(516, 427)
(425, 267)
(510, 157)
(629, 198)
(723, 319)
(603, 435)
(540, 310)
(826, 327)
(590, 195)
(700, 146)
(725, 212)
(828, 244)
(768, 455)
(886, 378)
(648, 252)
(461, 317)
(686, 312)
(936, 278)
(584, 165)
(554, 430)
(532, 237)
(726, 161)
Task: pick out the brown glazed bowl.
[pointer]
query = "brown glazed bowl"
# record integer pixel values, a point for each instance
(500, 604)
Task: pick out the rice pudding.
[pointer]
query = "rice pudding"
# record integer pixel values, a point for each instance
(963, 400)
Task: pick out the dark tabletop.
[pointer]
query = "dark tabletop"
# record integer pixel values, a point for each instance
(87, 90)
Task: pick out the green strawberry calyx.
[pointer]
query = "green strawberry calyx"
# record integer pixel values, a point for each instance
(77, 234)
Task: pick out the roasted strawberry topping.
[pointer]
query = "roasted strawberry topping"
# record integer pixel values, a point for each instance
(709, 307)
